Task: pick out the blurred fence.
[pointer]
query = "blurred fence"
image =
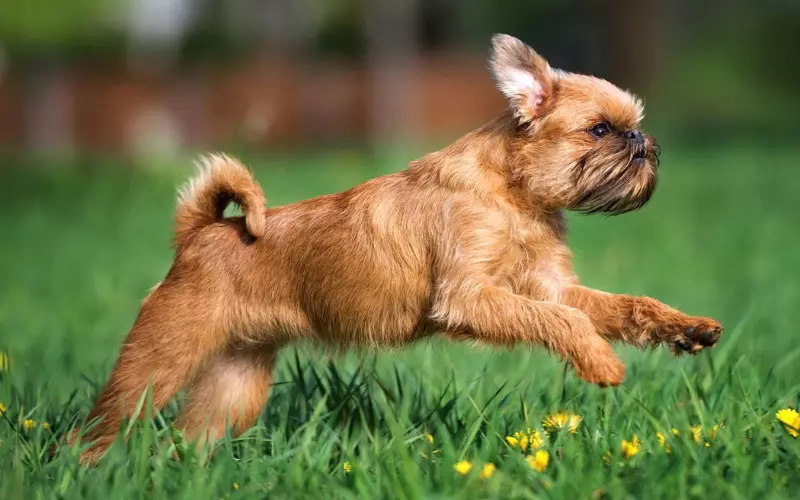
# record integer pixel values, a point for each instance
(126, 76)
(256, 102)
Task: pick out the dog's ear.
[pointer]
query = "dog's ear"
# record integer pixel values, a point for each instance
(522, 75)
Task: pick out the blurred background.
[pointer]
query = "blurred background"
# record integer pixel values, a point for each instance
(133, 78)
(104, 105)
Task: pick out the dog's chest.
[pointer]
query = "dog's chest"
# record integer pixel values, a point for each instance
(537, 264)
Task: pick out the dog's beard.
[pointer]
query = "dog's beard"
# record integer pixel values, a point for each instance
(615, 179)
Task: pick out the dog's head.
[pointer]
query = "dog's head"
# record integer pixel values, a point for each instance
(576, 142)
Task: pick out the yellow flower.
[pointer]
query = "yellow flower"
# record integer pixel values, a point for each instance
(790, 420)
(697, 433)
(429, 437)
(675, 432)
(2, 409)
(561, 420)
(523, 442)
(235, 486)
(45, 425)
(632, 447)
(538, 460)
(662, 442)
(347, 467)
(487, 471)
(29, 424)
(3, 361)
(535, 439)
(463, 467)
(523, 439)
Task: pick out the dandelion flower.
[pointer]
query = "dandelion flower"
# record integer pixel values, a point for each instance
(523, 440)
(29, 424)
(662, 442)
(463, 467)
(675, 432)
(697, 433)
(538, 460)
(561, 420)
(235, 486)
(790, 420)
(787, 416)
(45, 425)
(535, 439)
(518, 440)
(347, 467)
(487, 471)
(3, 361)
(429, 437)
(632, 447)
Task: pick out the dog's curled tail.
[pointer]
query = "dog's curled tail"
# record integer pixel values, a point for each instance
(202, 201)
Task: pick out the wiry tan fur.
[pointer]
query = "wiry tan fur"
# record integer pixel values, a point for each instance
(469, 242)
(221, 180)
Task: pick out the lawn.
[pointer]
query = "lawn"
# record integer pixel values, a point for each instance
(80, 246)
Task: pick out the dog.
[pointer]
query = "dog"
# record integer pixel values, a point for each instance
(468, 242)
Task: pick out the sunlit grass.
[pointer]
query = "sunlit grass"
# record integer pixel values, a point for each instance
(720, 238)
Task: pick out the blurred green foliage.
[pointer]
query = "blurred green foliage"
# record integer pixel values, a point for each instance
(723, 67)
(34, 27)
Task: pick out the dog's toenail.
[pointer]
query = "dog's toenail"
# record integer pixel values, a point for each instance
(683, 344)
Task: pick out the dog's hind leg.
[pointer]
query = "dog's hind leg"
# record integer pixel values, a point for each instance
(229, 393)
(179, 325)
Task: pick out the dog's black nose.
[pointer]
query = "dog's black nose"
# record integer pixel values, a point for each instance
(634, 135)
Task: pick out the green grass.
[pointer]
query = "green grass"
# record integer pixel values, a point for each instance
(80, 247)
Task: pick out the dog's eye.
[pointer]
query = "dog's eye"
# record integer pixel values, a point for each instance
(600, 129)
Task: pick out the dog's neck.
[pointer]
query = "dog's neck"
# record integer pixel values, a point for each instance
(480, 162)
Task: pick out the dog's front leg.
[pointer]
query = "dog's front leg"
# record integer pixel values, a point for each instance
(495, 315)
(643, 320)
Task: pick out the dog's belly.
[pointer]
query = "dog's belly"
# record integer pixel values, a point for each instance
(364, 327)
(370, 302)
(358, 264)
(368, 308)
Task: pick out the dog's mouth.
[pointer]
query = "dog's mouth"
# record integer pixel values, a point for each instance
(617, 182)
(648, 150)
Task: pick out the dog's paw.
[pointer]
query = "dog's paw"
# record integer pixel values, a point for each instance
(698, 334)
(605, 371)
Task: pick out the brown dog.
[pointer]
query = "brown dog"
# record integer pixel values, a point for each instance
(468, 242)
